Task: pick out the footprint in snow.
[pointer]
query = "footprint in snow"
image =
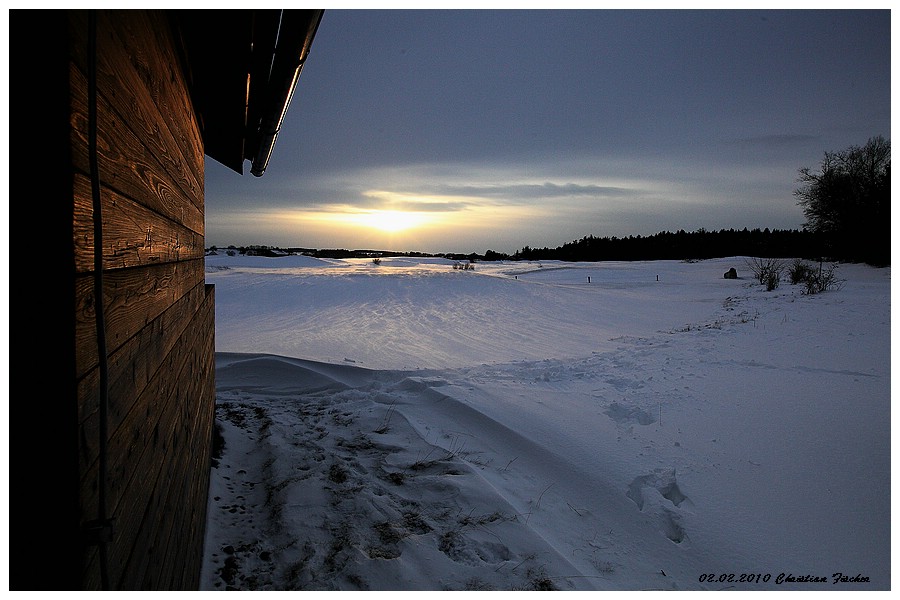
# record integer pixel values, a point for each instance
(663, 481)
(623, 414)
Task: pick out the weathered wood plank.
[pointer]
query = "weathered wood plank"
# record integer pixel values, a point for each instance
(123, 65)
(133, 298)
(141, 396)
(161, 547)
(130, 369)
(145, 451)
(134, 477)
(125, 162)
(193, 442)
(185, 508)
(161, 73)
(142, 236)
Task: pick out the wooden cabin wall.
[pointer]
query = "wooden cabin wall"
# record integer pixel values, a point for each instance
(159, 312)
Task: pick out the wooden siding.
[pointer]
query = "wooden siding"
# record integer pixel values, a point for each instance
(159, 311)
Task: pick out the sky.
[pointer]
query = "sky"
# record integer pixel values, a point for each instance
(474, 130)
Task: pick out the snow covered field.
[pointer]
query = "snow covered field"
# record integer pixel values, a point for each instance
(409, 426)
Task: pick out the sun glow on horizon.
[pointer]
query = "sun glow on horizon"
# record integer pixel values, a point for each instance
(389, 221)
(420, 222)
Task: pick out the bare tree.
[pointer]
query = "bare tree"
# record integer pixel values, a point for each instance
(848, 201)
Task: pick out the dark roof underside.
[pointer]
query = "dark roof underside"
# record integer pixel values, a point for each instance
(243, 66)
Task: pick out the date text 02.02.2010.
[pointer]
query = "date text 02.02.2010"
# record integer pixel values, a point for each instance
(735, 578)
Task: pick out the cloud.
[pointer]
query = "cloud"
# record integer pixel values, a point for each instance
(413, 200)
(451, 188)
(522, 191)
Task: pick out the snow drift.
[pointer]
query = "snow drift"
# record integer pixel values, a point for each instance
(651, 425)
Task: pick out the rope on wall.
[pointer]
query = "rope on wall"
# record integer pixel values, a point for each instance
(100, 531)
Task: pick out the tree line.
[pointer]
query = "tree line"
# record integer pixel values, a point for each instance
(683, 245)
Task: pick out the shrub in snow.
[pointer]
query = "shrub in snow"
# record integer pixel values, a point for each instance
(799, 271)
(822, 279)
(767, 271)
(815, 280)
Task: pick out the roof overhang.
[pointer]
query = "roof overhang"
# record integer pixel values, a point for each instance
(243, 67)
